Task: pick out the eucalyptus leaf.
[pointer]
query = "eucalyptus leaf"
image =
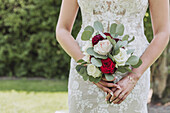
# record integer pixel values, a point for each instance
(111, 57)
(86, 35)
(133, 60)
(115, 52)
(80, 61)
(96, 62)
(133, 38)
(113, 42)
(82, 71)
(114, 35)
(113, 28)
(124, 69)
(130, 51)
(109, 77)
(98, 26)
(124, 43)
(91, 52)
(102, 34)
(91, 79)
(126, 37)
(85, 77)
(118, 45)
(89, 28)
(138, 64)
(120, 29)
(98, 79)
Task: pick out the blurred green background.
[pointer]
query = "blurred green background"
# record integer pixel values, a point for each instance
(33, 66)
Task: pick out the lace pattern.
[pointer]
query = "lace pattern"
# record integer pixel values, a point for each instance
(84, 96)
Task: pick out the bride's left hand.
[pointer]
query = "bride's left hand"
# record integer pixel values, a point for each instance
(127, 84)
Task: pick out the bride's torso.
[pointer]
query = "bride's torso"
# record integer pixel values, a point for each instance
(130, 13)
(85, 95)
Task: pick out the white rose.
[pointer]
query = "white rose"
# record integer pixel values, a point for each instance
(93, 71)
(103, 47)
(87, 45)
(121, 57)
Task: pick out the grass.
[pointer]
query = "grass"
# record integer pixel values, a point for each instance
(32, 96)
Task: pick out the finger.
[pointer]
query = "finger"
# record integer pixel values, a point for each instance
(108, 96)
(106, 84)
(115, 95)
(124, 97)
(114, 89)
(121, 95)
(105, 89)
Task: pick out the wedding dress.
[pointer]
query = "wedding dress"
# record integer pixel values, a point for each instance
(84, 96)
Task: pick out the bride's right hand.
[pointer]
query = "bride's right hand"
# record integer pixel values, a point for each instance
(106, 85)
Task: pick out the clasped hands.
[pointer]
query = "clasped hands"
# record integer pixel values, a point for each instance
(118, 92)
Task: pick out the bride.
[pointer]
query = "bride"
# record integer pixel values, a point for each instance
(129, 95)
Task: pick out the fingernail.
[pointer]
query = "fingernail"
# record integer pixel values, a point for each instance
(118, 87)
(111, 93)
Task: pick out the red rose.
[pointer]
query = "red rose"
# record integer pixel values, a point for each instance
(108, 66)
(98, 37)
(116, 39)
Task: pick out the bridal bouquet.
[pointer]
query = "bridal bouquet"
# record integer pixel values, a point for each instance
(105, 54)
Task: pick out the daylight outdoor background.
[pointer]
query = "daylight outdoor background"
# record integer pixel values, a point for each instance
(34, 68)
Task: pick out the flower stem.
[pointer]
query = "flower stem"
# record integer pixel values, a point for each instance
(110, 56)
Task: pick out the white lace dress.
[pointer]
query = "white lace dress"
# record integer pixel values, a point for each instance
(84, 96)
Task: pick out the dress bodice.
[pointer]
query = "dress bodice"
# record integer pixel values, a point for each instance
(128, 12)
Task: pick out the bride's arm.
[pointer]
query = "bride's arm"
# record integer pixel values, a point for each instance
(68, 13)
(159, 10)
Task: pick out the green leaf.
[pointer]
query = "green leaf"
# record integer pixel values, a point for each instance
(138, 64)
(113, 28)
(96, 62)
(124, 69)
(133, 60)
(126, 37)
(102, 34)
(120, 29)
(109, 77)
(131, 39)
(97, 79)
(82, 70)
(113, 42)
(80, 61)
(86, 35)
(78, 67)
(85, 77)
(114, 35)
(118, 45)
(115, 52)
(91, 52)
(98, 26)
(129, 51)
(124, 43)
(89, 28)
(111, 57)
